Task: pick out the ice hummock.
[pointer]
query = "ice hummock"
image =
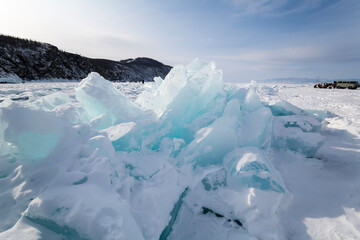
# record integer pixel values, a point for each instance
(189, 159)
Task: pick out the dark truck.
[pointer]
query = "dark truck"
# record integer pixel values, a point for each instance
(339, 84)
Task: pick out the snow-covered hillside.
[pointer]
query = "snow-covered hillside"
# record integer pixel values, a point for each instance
(30, 60)
(187, 157)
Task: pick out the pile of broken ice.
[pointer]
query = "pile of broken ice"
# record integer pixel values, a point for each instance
(189, 159)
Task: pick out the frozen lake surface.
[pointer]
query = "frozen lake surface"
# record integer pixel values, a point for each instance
(187, 157)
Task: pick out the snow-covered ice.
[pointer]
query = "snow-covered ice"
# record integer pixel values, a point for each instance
(185, 157)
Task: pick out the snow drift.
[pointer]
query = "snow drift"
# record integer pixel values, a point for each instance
(189, 159)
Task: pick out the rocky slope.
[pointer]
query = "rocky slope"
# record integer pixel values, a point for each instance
(32, 60)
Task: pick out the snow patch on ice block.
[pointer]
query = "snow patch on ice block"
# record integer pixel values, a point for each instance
(250, 168)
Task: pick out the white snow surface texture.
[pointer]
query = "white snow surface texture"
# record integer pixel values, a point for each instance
(186, 157)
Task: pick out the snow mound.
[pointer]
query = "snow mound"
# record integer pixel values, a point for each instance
(189, 159)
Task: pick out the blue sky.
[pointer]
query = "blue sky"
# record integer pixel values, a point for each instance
(248, 39)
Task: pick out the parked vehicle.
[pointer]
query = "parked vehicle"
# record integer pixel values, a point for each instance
(324, 85)
(346, 84)
(339, 84)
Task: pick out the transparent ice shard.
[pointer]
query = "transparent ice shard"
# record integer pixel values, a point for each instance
(99, 96)
(213, 142)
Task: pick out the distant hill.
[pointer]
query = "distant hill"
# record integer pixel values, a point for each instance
(302, 80)
(31, 60)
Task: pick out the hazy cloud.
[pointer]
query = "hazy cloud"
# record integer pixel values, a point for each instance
(279, 7)
(297, 54)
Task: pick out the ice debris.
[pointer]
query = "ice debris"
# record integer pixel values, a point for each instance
(107, 167)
